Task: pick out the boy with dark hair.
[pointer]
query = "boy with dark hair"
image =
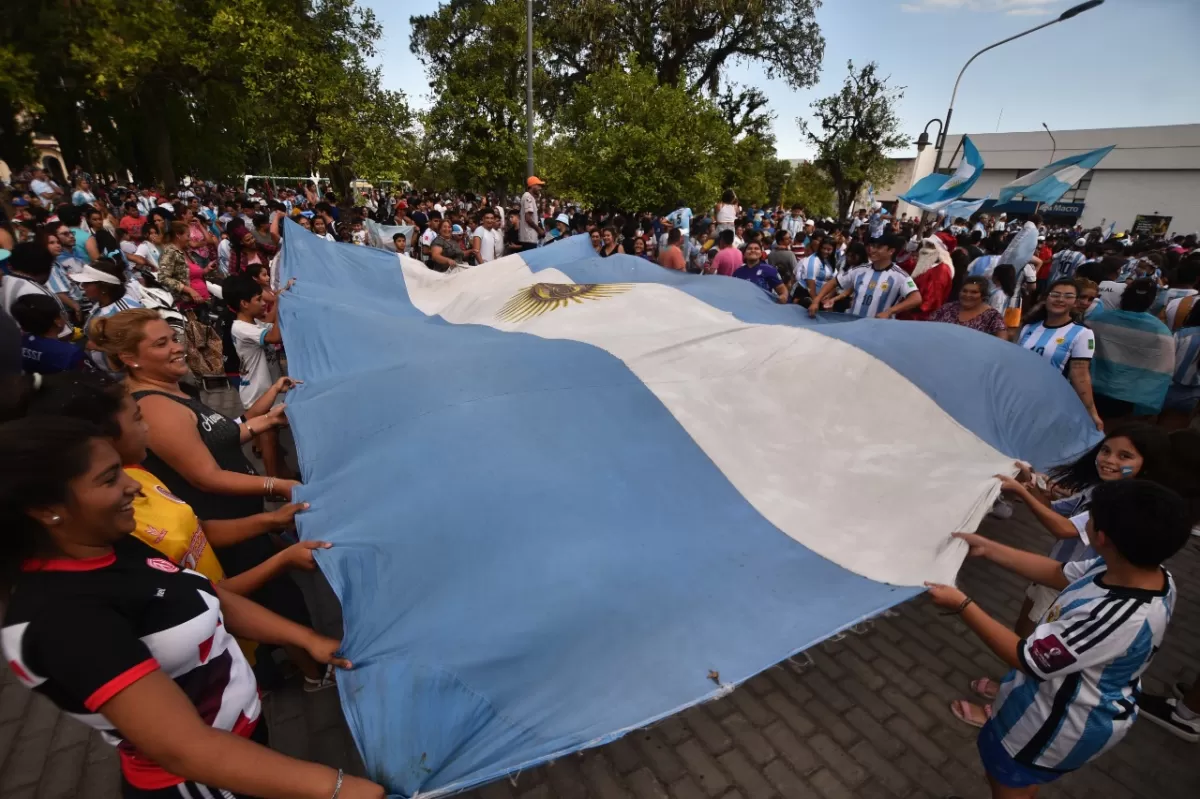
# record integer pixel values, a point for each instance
(400, 242)
(42, 351)
(254, 332)
(1071, 694)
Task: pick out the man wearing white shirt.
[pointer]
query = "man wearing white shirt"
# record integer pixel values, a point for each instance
(794, 222)
(487, 240)
(881, 289)
(44, 189)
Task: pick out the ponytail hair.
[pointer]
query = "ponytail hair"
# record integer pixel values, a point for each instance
(1005, 276)
(120, 334)
(39, 457)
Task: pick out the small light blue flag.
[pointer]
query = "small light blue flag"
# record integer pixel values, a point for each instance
(871, 195)
(1051, 182)
(934, 192)
(960, 209)
(1111, 229)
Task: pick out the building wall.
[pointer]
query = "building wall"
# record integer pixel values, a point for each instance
(1120, 195)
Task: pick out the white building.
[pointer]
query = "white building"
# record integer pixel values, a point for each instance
(1153, 171)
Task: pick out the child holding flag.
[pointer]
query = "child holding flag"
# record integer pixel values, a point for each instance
(1071, 694)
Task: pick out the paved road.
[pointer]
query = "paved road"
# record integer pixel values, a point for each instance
(867, 717)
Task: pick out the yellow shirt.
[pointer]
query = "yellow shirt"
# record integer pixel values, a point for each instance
(167, 523)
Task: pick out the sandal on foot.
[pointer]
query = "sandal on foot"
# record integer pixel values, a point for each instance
(969, 712)
(985, 687)
(327, 680)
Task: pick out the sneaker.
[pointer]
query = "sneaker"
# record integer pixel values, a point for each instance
(1002, 510)
(1161, 711)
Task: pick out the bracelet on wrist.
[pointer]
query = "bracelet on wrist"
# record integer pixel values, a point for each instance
(963, 606)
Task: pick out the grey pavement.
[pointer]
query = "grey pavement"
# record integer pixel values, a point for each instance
(862, 716)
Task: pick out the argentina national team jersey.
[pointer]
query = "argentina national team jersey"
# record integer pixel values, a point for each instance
(1073, 696)
(875, 291)
(1059, 345)
(1187, 353)
(814, 269)
(1065, 263)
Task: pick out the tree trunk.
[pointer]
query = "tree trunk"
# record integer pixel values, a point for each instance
(340, 178)
(159, 134)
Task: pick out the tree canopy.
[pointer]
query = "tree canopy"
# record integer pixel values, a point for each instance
(206, 87)
(858, 128)
(631, 142)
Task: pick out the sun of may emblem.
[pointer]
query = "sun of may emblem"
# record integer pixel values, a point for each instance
(542, 297)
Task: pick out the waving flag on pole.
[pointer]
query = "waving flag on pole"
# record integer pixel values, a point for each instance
(1051, 182)
(563, 494)
(1111, 229)
(962, 209)
(871, 196)
(934, 192)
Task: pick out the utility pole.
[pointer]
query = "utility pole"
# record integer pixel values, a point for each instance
(529, 88)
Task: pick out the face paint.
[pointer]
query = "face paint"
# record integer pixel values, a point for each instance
(1126, 472)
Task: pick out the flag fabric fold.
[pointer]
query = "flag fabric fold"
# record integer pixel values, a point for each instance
(936, 191)
(1048, 184)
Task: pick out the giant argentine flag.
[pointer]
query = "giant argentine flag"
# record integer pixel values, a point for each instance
(569, 496)
(936, 191)
(1048, 184)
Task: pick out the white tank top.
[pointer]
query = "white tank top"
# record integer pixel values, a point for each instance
(725, 214)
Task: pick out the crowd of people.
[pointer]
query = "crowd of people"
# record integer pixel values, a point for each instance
(150, 594)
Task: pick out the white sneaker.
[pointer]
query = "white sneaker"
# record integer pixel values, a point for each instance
(1002, 510)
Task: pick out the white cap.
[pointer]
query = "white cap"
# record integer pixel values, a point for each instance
(90, 274)
(566, 220)
(1081, 242)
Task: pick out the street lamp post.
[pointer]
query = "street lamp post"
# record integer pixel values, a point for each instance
(529, 88)
(1053, 143)
(1074, 11)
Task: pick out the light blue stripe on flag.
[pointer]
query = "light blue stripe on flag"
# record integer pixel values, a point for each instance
(1048, 184)
(937, 191)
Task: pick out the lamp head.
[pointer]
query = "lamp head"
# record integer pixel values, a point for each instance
(1075, 11)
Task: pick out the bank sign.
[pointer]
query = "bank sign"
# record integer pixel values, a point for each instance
(1064, 209)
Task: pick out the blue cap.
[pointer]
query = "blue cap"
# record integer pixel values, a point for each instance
(456, 229)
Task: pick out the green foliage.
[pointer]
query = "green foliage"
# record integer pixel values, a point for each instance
(475, 55)
(208, 87)
(686, 43)
(809, 186)
(632, 143)
(859, 127)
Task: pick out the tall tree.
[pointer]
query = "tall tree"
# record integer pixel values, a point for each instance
(858, 128)
(809, 186)
(205, 87)
(621, 147)
(686, 43)
(474, 53)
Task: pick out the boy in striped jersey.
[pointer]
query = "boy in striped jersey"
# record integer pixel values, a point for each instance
(1071, 694)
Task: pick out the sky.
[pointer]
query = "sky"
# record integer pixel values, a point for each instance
(1127, 63)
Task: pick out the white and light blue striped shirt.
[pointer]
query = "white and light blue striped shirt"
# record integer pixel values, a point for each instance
(1064, 264)
(1187, 355)
(1073, 696)
(1059, 345)
(814, 269)
(875, 291)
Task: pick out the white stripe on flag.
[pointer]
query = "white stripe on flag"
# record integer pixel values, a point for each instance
(720, 377)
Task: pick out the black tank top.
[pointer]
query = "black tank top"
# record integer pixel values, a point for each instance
(222, 437)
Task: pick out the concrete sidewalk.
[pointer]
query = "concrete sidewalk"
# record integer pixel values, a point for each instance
(867, 717)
